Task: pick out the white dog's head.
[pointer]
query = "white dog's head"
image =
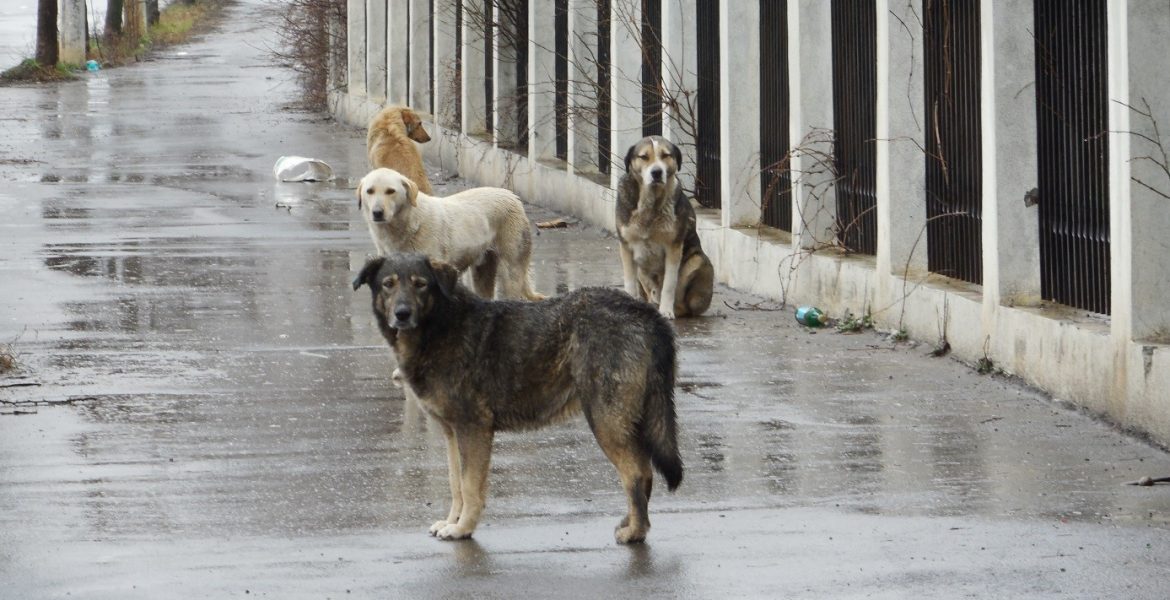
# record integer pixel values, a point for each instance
(383, 194)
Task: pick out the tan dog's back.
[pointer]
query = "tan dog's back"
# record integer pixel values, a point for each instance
(389, 144)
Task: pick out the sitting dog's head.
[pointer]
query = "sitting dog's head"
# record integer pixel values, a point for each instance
(406, 287)
(384, 193)
(655, 160)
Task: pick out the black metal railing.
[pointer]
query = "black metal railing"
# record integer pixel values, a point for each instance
(561, 68)
(954, 165)
(431, 54)
(520, 53)
(1072, 104)
(457, 84)
(489, 66)
(651, 67)
(603, 84)
(707, 178)
(775, 176)
(854, 25)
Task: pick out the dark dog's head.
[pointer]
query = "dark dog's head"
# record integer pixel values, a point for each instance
(655, 160)
(406, 287)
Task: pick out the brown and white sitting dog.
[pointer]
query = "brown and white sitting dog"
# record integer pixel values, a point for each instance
(389, 145)
(662, 259)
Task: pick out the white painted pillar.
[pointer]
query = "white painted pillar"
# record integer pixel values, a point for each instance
(474, 109)
(1011, 242)
(71, 37)
(739, 112)
(398, 51)
(376, 50)
(542, 130)
(681, 80)
(356, 45)
(447, 77)
(582, 154)
(504, 98)
(420, 56)
(625, 83)
(1139, 187)
(810, 68)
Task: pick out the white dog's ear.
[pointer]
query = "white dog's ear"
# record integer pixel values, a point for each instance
(411, 191)
(359, 193)
(445, 275)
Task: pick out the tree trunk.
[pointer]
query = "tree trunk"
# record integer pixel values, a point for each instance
(152, 12)
(113, 18)
(47, 32)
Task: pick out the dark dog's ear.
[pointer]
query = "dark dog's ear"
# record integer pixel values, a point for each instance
(677, 154)
(630, 156)
(445, 275)
(368, 272)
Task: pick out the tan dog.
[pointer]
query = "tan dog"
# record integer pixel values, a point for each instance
(662, 259)
(389, 145)
(484, 229)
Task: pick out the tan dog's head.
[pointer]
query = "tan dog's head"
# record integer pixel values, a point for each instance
(414, 126)
(384, 194)
(406, 287)
(655, 160)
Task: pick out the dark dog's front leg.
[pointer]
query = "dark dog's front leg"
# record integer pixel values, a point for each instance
(454, 477)
(475, 451)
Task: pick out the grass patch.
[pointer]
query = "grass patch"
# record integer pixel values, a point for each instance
(178, 23)
(31, 71)
(854, 324)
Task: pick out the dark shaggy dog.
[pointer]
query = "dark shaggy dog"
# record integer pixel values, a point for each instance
(480, 366)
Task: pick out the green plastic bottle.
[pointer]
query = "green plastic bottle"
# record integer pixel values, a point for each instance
(811, 316)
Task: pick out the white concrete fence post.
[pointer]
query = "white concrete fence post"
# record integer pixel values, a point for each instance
(739, 113)
(542, 79)
(582, 155)
(71, 38)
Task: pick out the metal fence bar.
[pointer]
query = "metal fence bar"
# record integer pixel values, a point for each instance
(775, 178)
(603, 86)
(707, 176)
(561, 68)
(651, 67)
(489, 64)
(953, 160)
(854, 45)
(1072, 121)
(519, 36)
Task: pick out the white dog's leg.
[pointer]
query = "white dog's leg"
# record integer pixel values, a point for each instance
(454, 477)
(670, 281)
(629, 271)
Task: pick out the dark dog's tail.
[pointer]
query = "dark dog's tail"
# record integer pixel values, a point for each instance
(659, 431)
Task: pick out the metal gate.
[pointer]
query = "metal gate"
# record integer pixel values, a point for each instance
(457, 85)
(431, 53)
(1072, 121)
(954, 190)
(489, 66)
(651, 67)
(603, 84)
(775, 176)
(707, 152)
(854, 24)
(519, 41)
(561, 67)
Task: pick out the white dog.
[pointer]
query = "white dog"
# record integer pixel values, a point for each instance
(484, 229)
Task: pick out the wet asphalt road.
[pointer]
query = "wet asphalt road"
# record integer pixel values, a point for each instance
(215, 419)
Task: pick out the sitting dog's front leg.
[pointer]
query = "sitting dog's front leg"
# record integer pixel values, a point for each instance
(629, 271)
(475, 450)
(454, 477)
(670, 280)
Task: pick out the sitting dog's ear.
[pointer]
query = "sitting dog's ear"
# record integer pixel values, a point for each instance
(677, 154)
(445, 275)
(359, 194)
(368, 272)
(411, 190)
(630, 156)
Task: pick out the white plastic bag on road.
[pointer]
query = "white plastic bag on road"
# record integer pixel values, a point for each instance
(299, 168)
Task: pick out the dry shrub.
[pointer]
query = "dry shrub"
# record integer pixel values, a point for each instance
(311, 35)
